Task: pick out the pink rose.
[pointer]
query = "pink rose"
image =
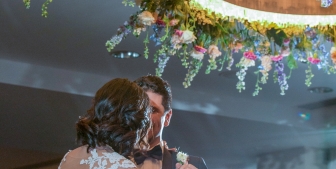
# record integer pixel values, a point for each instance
(173, 22)
(286, 41)
(178, 32)
(277, 58)
(314, 60)
(250, 55)
(333, 54)
(200, 49)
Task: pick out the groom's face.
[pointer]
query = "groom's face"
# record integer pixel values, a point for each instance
(159, 118)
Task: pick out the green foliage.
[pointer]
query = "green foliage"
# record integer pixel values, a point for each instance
(221, 61)
(128, 3)
(194, 67)
(27, 3)
(146, 51)
(257, 87)
(45, 7)
(309, 75)
(304, 44)
(109, 46)
(211, 66)
(185, 56)
(275, 76)
(291, 62)
(277, 34)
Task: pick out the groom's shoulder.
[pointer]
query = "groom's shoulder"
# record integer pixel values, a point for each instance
(197, 162)
(199, 159)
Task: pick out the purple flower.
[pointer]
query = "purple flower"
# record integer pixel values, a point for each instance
(281, 76)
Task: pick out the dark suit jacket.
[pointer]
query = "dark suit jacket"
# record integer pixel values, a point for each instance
(169, 160)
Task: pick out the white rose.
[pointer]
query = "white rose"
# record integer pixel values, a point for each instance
(197, 55)
(247, 62)
(187, 37)
(214, 52)
(146, 18)
(182, 157)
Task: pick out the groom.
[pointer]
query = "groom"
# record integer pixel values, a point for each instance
(159, 93)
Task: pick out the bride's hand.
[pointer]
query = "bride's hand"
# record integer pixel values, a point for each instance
(185, 166)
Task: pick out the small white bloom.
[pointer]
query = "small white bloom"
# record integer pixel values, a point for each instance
(247, 62)
(197, 55)
(182, 157)
(138, 30)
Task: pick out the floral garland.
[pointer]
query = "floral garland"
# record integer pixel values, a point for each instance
(212, 30)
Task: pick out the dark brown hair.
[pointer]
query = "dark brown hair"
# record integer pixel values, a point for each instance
(159, 86)
(119, 117)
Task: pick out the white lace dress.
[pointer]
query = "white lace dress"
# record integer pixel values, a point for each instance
(98, 158)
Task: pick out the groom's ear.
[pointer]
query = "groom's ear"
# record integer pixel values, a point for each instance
(168, 117)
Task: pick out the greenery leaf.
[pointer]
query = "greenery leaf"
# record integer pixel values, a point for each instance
(291, 62)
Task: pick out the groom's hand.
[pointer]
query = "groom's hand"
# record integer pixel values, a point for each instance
(185, 166)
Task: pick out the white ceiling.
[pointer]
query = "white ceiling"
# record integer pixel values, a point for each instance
(51, 67)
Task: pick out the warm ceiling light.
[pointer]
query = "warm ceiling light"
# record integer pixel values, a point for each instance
(125, 54)
(320, 90)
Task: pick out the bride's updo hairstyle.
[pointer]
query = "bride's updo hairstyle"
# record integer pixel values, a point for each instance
(119, 118)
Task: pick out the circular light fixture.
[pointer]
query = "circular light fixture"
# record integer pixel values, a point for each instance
(125, 54)
(320, 90)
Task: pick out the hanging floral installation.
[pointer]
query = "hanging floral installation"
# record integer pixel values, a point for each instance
(209, 32)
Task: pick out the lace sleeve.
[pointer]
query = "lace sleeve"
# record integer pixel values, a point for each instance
(63, 159)
(107, 160)
(125, 163)
(95, 160)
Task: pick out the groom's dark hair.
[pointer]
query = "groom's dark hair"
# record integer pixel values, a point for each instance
(159, 86)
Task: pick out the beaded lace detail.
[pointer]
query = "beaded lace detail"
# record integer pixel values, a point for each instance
(107, 160)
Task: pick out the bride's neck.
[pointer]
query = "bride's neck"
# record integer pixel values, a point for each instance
(106, 148)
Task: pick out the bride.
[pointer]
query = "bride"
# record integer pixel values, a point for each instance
(117, 122)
